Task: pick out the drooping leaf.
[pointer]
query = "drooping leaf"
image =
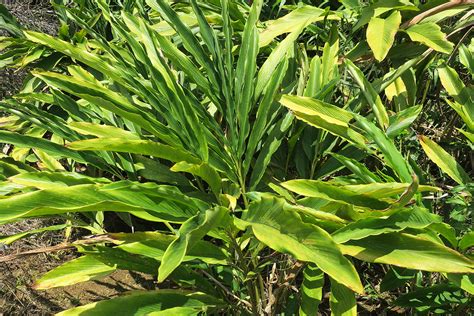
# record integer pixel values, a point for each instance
(467, 241)
(323, 115)
(408, 251)
(144, 303)
(444, 160)
(123, 196)
(430, 34)
(203, 171)
(193, 230)
(78, 270)
(378, 8)
(296, 19)
(466, 57)
(325, 190)
(396, 277)
(402, 120)
(102, 131)
(142, 147)
(358, 168)
(382, 190)
(51, 180)
(407, 218)
(9, 23)
(153, 244)
(6, 240)
(284, 231)
(53, 149)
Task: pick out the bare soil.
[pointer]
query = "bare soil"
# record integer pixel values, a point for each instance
(17, 296)
(37, 17)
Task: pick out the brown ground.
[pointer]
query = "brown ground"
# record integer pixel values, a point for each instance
(38, 17)
(17, 297)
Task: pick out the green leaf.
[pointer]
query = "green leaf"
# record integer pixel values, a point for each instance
(244, 88)
(53, 149)
(468, 135)
(388, 189)
(154, 245)
(78, 270)
(100, 95)
(47, 162)
(189, 40)
(466, 241)
(323, 115)
(392, 155)
(9, 23)
(52, 180)
(358, 168)
(456, 88)
(284, 231)
(143, 303)
(7, 240)
(463, 281)
(370, 94)
(269, 147)
(264, 115)
(402, 120)
(192, 231)
(274, 59)
(165, 202)
(342, 300)
(311, 290)
(295, 20)
(203, 171)
(430, 34)
(142, 147)
(177, 311)
(396, 277)
(463, 96)
(408, 251)
(380, 7)
(416, 217)
(325, 190)
(444, 160)
(432, 297)
(381, 34)
(101, 130)
(466, 57)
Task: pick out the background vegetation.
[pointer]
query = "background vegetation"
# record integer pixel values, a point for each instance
(255, 158)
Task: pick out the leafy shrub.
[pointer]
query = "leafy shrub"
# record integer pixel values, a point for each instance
(268, 159)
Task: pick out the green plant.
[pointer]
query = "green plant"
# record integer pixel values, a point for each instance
(190, 131)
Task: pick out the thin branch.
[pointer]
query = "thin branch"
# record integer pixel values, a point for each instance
(64, 246)
(440, 8)
(228, 292)
(459, 44)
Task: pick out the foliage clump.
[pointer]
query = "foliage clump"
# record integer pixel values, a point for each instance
(260, 156)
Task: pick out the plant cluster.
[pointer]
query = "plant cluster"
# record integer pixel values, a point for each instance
(258, 155)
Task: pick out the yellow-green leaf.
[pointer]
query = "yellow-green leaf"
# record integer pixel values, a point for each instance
(444, 160)
(430, 34)
(381, 34)
(408, 251)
